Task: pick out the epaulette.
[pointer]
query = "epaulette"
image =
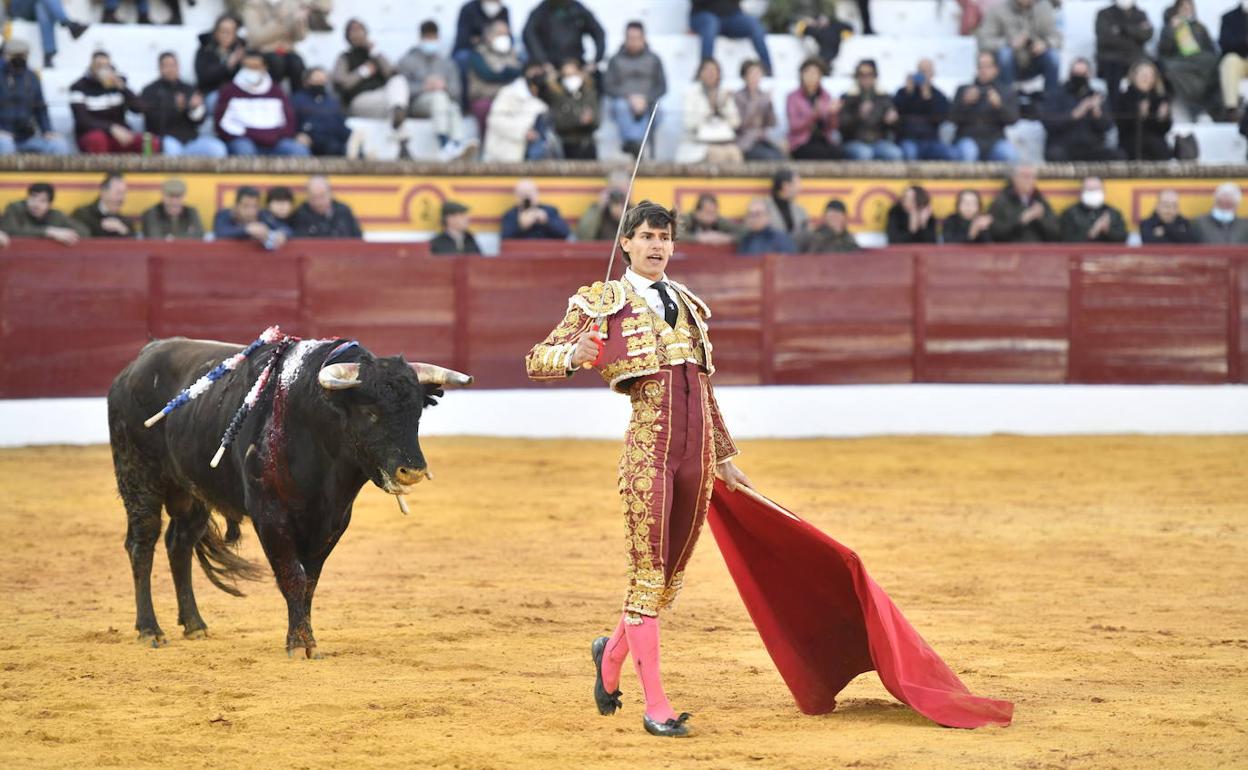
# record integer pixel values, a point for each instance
(703, 309)
(600, 299)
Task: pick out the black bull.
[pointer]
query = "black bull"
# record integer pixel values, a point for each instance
(315, 437)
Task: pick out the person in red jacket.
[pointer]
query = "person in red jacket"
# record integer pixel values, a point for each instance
(254, 115)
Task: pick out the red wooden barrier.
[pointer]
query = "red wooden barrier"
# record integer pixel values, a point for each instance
(70, 319)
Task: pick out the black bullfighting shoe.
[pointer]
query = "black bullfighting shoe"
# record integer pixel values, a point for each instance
(672, 728)
(607, 702)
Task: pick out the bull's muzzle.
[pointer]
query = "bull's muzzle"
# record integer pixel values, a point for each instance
(407, 476)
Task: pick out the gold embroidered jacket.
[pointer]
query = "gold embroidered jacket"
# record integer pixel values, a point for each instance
(637, 342)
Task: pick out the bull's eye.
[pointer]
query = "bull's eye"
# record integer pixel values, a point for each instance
(373, 415)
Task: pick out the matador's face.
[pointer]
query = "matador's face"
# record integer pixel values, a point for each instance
(649, 250)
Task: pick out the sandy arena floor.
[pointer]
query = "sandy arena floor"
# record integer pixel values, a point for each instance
(1097, 582)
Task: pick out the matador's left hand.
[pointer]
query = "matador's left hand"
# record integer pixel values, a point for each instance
(731, 475)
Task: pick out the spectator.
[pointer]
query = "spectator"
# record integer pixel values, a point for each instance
(530, 218)
(174, 111)
(761, 236)
(35, 218)
(711, 120)
(1189, 59)
(705, 225)
(1076, 120)
(602, 219)
(455, 237)
(1091, 220)
(102, 217)
(475, 19)
(832, 235)
(787, 215)
(910, 219)
(1021, 214)
(143, 8)
(279, 203)
(758, 116)
(969, 224)
(273, 28)
(99, 101)
(319, 115)
(1243, 124)
(246, 221)
(172, 218)
(813, 115)
(1167, 225)
(1233, 40)
(254, 115)
(1023, 35)
(48, 13)
(24, 123)
(518, 123)
(1221, 225)
(710, 19)
(1144, 115)
(369, 84)
(634, 82)
(555, 33)
(868, 118)
(922, 107)
(574, 111)
(491, 65)
(434, 83)
(218, 59)
(1122, 31)
(814, 19)
(981, 112)
(321, 216)
(4, 240)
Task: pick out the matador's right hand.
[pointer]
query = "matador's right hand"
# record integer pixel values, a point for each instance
(587, 349)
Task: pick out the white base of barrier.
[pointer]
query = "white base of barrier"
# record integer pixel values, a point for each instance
(765, 412)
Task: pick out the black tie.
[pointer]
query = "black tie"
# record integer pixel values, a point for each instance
(670, 311)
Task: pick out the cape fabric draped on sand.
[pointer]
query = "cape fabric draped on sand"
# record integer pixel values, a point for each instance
(824, 620)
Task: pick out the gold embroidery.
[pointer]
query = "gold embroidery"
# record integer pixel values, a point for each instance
(638, 478)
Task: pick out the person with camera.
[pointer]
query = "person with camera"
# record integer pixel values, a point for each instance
(981, 111)
(1077, 119)
(922, 108)
(531, 219)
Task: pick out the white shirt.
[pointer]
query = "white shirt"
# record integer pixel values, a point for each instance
(649, 294)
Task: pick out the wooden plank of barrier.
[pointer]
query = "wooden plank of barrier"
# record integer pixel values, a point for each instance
(1237, 322)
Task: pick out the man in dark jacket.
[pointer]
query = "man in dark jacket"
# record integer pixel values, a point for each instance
(868, 118)
(102, 217)
(474, 17)
(832, 235)
(174, 111)
(1167, 225)
(922, 107)
(1076, 120)
(24, 123)
(455, 237)
(1233, 40)
(634, 82)
(1021, 214)
(319, 115)
(530, 218)
(760, 236)
(320, 216)
(710, 19)
(1091, 220)
(1122, 31)
(554, 33)
(34, 217)
(172, 219)
(981, 111)
(99, 101)
(1223, 225)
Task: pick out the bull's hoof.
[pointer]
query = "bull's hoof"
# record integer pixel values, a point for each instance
(155, 639)
(308, 652)
(196, 633)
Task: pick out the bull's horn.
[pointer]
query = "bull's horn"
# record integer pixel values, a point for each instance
(429, 374)
(339, 376)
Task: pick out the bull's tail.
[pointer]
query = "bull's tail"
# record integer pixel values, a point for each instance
(221, 562)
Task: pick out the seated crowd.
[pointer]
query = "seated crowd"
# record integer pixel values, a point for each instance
(539, 95)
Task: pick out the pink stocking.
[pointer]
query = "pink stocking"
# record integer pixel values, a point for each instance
(643, 643)
(613, 657)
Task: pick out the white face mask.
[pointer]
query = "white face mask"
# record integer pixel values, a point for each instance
(429, 47)
(250, 80)
(573, 83)
(501, 44)
(1093, 199)
(1225, 216)
(1125, 5)
(490, 8)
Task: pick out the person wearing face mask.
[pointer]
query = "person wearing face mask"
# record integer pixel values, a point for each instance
(493, 64)
(434, 82)
(1076, 120)
(322, 123)
(1122, 31)
(1233, 40)
(556, 30)
(573, 104)
(1223, 225)
(24, 123)
(1091, 220)
(48, 14)
(369, 84)
(1190, 60)
(475, 18)
(1167, 225)
(254, 115)
(273, 28)
(100, 100)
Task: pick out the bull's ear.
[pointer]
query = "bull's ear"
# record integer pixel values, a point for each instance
(430, 374)
(432, 394)
(339, 376)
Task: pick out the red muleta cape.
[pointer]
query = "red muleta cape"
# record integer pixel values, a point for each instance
(824, 620)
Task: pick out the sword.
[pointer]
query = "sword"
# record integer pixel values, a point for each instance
(619, 230)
